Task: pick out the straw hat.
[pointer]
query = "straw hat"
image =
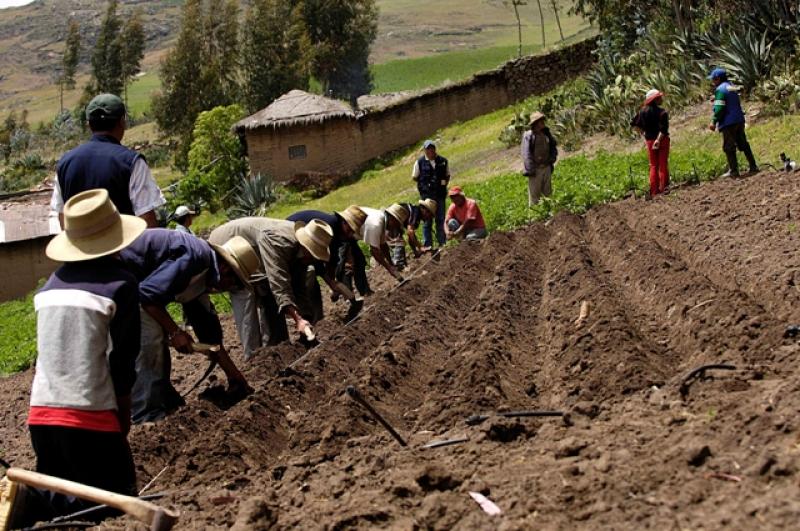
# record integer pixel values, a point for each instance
(93, 227)
(316, 237)
(354, 217)
(239, 254)
(398, 212)
(651, 95)
(535, 117)
(429, 204)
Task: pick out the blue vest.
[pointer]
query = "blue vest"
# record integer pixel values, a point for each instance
(102, 162)
(430, 179)
(733, 107)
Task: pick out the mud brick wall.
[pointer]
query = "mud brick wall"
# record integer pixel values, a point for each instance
(23, 264)
(345, 144)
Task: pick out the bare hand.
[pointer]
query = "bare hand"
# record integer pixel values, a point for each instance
(712, 127)
(181, 341)
(302, 325)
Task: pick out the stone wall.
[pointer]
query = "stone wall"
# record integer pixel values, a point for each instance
(23, 264)
(343, 145)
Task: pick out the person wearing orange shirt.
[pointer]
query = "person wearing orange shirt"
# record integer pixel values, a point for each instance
(464, 219)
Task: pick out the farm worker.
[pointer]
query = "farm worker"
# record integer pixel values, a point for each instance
(539, 155)
(173, 266)
(183, 219)
(729, 119)
(283, 286)
(343, 247)
(380, 226)
(103, 162)
(424, 210)
(653, 122)
(432, 174)
(87, 317)
(464, 218)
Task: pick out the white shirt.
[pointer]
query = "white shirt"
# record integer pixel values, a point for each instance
(142, 189)
(415, 170)
(373, 232)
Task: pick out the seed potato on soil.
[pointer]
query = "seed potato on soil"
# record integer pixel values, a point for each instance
(705, 275)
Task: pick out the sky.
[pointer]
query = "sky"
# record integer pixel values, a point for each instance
(12, 3)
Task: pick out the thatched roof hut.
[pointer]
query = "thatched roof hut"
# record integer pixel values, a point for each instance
(297, 108)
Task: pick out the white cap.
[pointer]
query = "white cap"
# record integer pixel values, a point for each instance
(182, 211)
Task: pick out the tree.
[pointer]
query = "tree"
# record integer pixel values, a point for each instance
(69, 61)
(558, 18)
(132, 48)
(515, 5)
(275, 52)
(541, 23)
(107, 56)
(200, 72)
(341, 34)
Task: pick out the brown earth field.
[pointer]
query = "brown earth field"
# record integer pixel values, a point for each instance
(706, 275)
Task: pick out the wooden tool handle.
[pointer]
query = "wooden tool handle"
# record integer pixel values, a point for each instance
(141, 510)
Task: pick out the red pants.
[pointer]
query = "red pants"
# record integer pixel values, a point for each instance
(659, 166)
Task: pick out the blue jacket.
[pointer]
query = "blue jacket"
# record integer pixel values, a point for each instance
(727, 106)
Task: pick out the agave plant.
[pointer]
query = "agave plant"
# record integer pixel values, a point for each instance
(253, 197)
(747, 59)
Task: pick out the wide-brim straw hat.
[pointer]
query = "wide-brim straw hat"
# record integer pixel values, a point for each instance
(535, 117)
(652, 95)
(93, 227)
(239, 254)
(398, 212)
(430, 205)
(354, 217)
(316, 237)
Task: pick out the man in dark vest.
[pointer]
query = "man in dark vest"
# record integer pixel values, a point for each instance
(432, 173)
(103, 162)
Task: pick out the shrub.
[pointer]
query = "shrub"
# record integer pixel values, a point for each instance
(747, 59)
(253, 197)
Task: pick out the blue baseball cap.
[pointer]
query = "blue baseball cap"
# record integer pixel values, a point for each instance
(717, 73)
(428, 144)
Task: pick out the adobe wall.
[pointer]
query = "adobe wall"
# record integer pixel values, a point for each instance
(344, 145)
(23, 264)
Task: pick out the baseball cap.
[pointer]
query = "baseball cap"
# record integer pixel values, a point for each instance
(428, 144)
(183, 211)
(456, 190)
(717, 72)
(105, 106)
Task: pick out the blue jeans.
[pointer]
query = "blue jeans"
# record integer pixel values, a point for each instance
(441, 238)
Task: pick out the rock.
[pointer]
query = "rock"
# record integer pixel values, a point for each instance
(570, 447)
(698, 455)
(255, 514)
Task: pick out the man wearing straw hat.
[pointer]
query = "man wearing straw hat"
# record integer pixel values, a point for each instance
(423, 211)
(282, 287)
(87, 317)
(176, 267)
(380, 226)
(103, 162)
(539, 155)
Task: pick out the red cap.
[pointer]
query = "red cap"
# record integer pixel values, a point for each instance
(456, 190)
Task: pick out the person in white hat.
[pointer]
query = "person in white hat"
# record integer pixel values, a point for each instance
(282, 286)
(379, 227)
(87, 317)
(183, 219)
(172, 266)
(539, 155)
(652, 121)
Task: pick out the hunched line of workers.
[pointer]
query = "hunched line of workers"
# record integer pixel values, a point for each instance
(103, 332)
(103, 329)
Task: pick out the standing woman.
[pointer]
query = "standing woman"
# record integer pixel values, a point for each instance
(653, 122)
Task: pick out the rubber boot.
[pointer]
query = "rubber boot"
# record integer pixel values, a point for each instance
(733, 164)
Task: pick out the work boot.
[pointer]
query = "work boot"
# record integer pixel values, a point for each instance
(751, 160)
(733, 164)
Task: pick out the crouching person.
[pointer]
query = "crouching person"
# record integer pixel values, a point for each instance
(464, 218)
(173, 266)
(87, 341)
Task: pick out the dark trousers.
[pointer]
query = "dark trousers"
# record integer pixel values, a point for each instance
(733, 138)
(441, 237)
(95, 458)
(351, 252)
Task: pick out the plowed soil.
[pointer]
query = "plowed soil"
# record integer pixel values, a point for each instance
(706, 275)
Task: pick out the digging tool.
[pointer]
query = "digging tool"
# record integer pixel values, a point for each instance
(474, 420)
(158, 518)
(210, 351)
(90, 510)
(700, 371)
(353, 393)
(448, 442)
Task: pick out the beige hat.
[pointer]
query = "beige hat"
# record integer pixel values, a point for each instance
(316, 237)
(93, 227)
(398, 212)
(535, 117)
(430, 205)
(354, 217)
(239, 254)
